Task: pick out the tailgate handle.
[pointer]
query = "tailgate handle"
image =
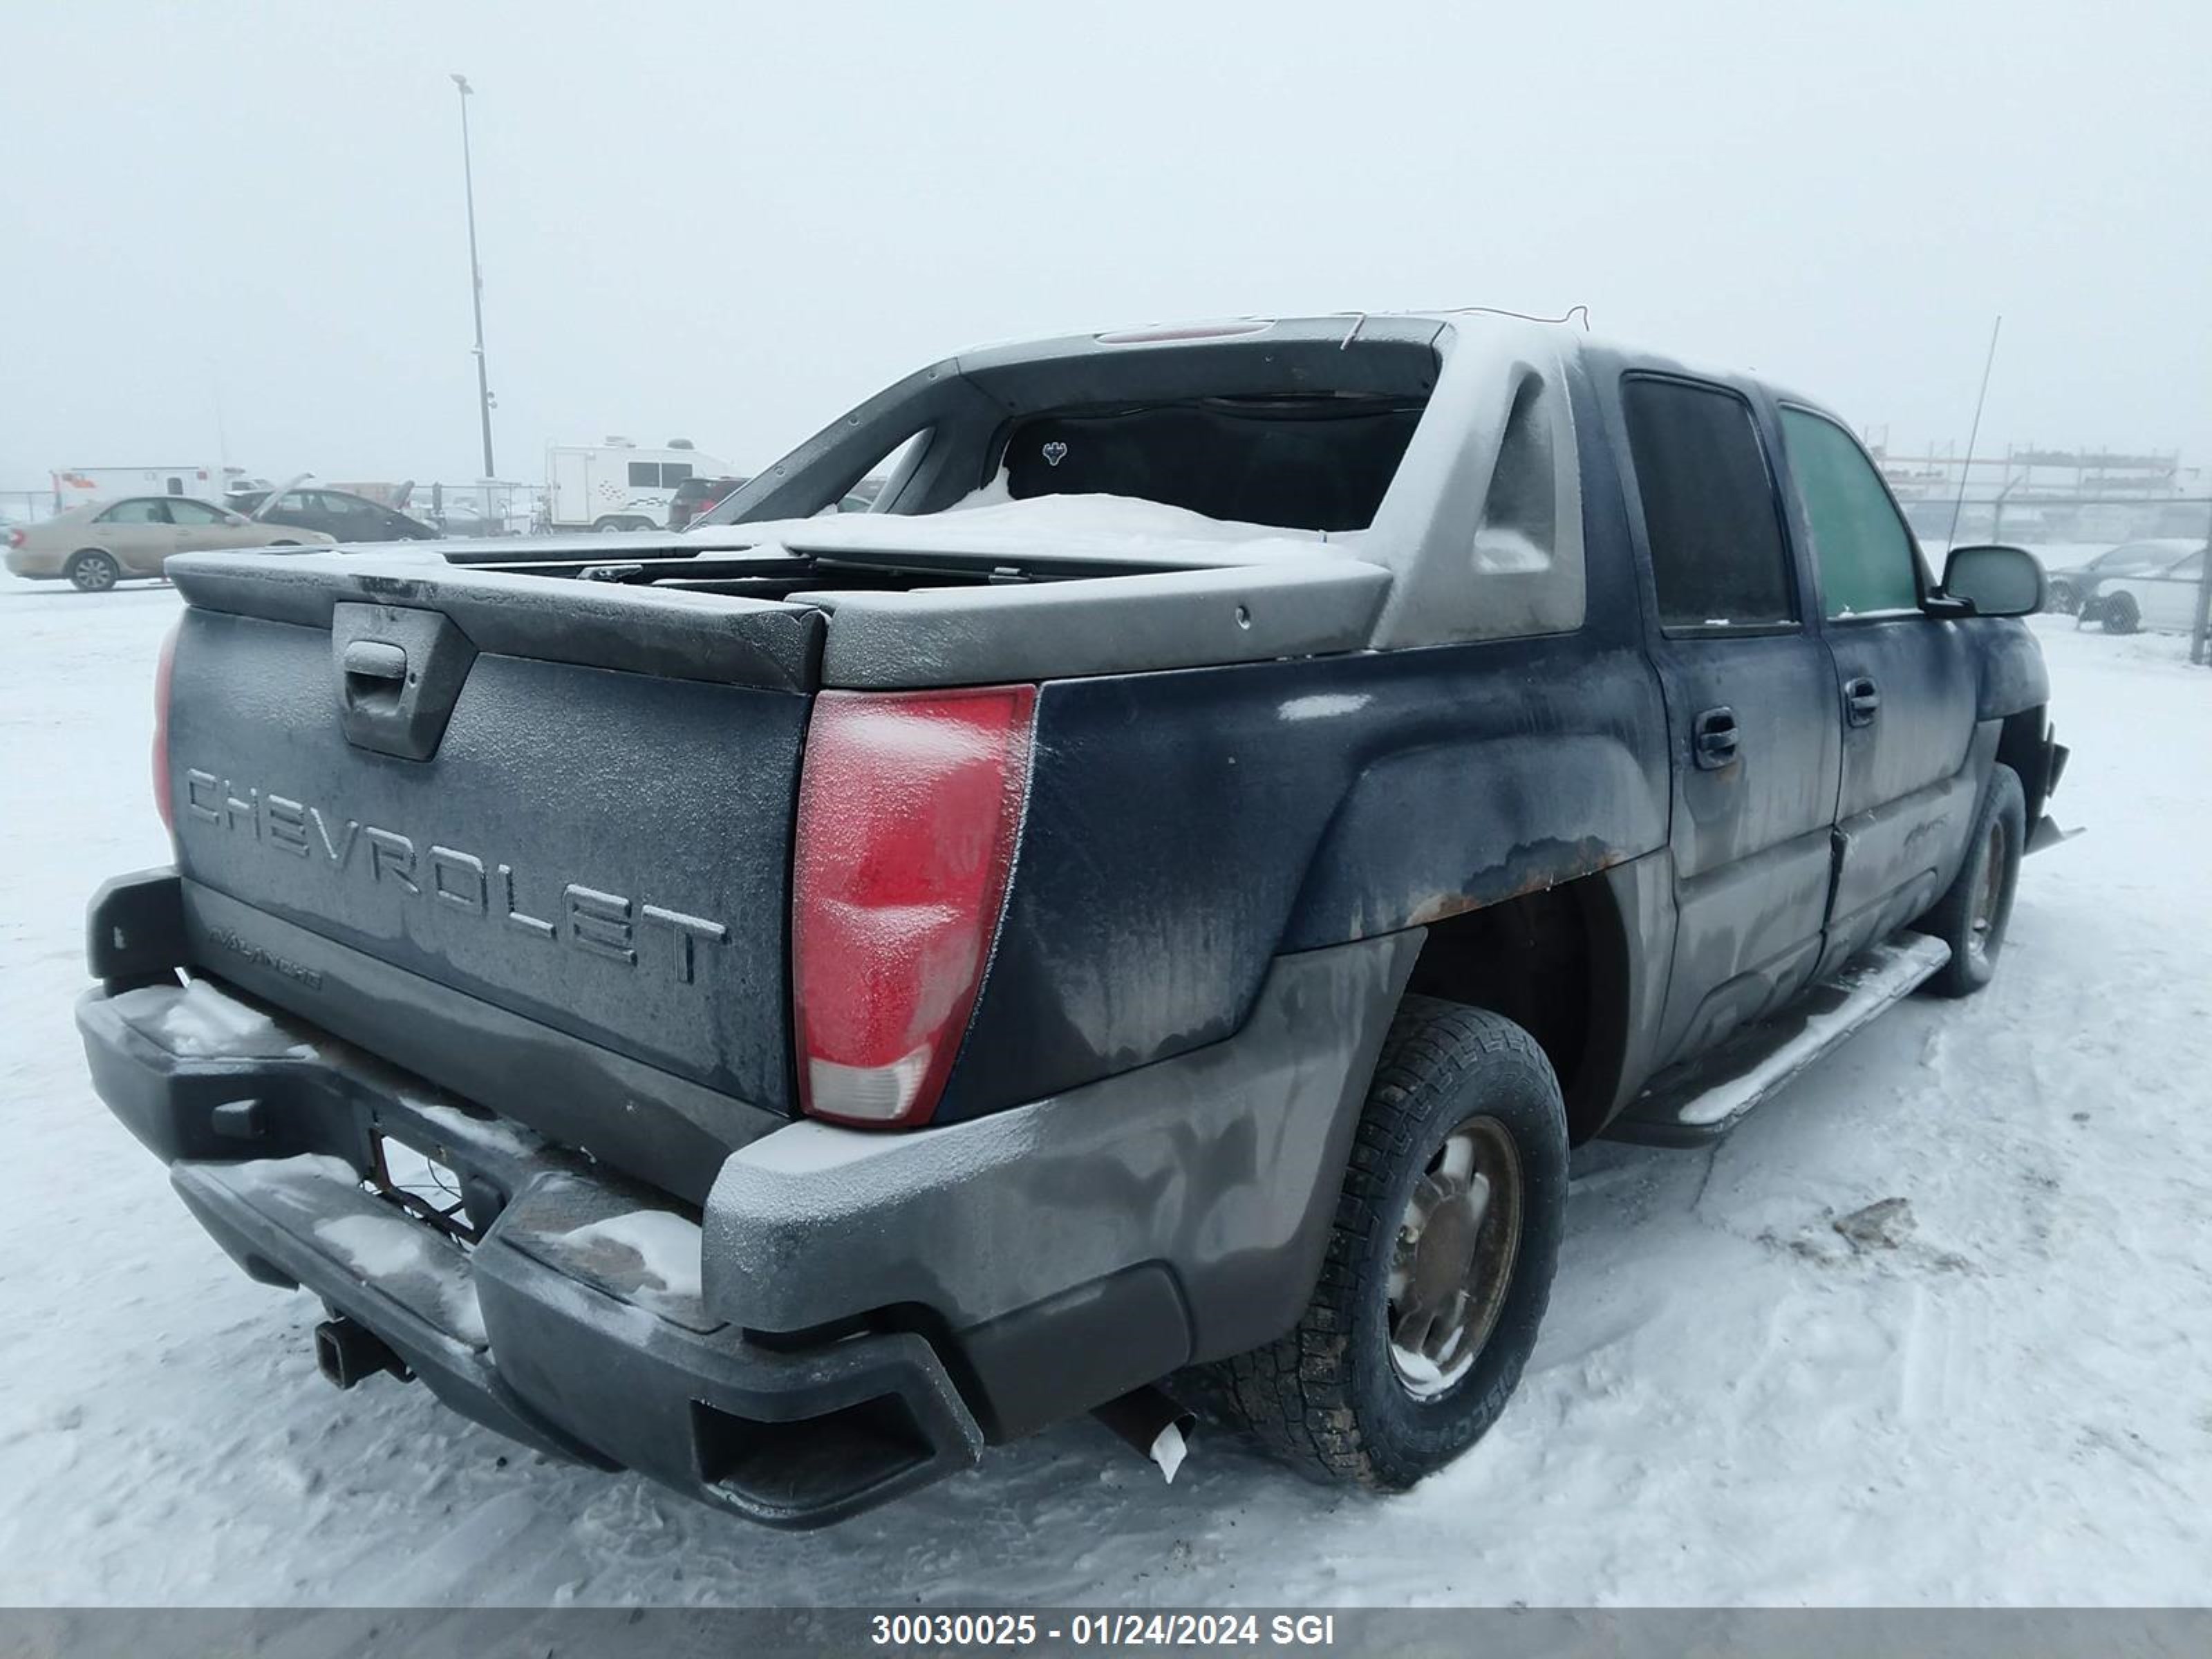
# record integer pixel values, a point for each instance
(374, 671)
(399, 672)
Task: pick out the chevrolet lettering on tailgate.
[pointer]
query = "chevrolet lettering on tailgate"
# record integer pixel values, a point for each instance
(607, 925)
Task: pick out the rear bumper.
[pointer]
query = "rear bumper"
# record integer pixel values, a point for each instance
(573, 1345)
(851, 1317)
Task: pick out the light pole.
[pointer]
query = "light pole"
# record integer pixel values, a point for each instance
(476, 281)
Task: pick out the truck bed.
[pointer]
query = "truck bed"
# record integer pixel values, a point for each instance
(568, 820)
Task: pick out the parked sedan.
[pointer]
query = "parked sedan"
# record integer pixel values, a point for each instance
(2069, 587)
(97, 545)
(2157, 590)
(338, 513)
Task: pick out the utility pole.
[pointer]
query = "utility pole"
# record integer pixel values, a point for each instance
(476, 281)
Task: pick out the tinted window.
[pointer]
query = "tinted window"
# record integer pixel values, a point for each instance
(347, 507)
(644, 475)
(1717, 551)
(1867, 561)
(674, 472)
(194, 512)
(137, 511)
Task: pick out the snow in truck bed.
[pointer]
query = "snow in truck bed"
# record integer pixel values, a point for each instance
(987, 524)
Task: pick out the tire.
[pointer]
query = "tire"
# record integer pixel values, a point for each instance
(92, 571)
(2119, 615)
(1973, 915)
(2063, 600)
(1338, 1398)
(609, 526)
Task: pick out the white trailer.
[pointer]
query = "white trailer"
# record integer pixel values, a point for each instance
(74, 486)
(618, 485)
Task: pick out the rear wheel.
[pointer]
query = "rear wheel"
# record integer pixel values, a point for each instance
(1972, 916)
(1439, 1264)
(92, 571)
(2063, 600)
(609, 526)
(2120, 615)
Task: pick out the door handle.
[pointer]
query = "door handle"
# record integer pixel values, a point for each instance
(1862, 700)
(1713, 739)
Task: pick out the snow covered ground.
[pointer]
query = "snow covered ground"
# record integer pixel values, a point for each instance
(1997, 1390)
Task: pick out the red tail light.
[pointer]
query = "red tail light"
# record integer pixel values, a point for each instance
(161, 673)
(909, 810)
(16, 538)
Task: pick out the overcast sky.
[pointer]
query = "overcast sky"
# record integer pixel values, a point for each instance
(730, 221)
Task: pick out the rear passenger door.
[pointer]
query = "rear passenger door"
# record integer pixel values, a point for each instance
(1905, 691)
(1751, 708)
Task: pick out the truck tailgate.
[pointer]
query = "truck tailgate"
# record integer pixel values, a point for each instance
(568, 800)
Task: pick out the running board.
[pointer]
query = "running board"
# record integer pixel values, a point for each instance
(1702, 1100)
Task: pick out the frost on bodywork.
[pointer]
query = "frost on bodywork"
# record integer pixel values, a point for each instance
(1483, 524)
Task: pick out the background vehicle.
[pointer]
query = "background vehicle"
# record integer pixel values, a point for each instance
(2086, 584)
(1087, 921)
(95, 547)
(617, 485)
(77, 485)
(2070, 582)
(694, 495)
(2155, 589)
(338, 513)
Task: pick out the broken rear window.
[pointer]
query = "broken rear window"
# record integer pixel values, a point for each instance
(1316, 462)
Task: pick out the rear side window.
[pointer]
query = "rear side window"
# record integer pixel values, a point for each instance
(1867, 561)
(142, 511)
(1718, 557)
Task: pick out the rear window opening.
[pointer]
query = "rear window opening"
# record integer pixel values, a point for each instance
(1312, 463)
(1070, 464)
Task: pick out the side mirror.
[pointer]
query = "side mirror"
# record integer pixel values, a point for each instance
(1997, 580)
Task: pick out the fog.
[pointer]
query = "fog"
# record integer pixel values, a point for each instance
(238, 233)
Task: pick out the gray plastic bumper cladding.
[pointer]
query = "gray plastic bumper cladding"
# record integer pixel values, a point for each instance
(868, 1310)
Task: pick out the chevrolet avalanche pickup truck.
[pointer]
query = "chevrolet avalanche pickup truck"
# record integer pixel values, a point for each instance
(1151, 902)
